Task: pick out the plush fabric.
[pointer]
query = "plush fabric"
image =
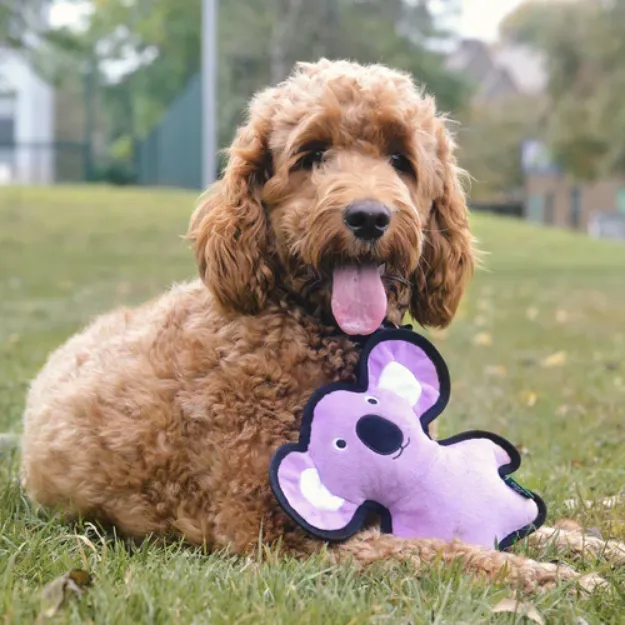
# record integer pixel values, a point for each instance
(364, 448)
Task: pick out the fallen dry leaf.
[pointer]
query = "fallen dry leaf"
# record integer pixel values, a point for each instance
(55, 593)
(513, 606)
(561, 316)
(607, 502)
(531, 313)
(554, 360)
(529, 398)
(522, 449)
(483, 338)
(496, 371)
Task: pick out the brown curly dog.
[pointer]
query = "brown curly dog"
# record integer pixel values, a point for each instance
(163, 419)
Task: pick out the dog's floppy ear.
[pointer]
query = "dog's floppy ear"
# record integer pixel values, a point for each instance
(408, 365)
(229, 229)
(447, 260)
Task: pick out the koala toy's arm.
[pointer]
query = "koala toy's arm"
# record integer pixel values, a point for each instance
(485, 444)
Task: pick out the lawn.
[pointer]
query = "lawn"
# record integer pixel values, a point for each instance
(536, 354)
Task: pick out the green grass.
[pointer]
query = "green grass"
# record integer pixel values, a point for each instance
(67, 254)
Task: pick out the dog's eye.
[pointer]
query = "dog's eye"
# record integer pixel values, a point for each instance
(309, 160)
(339, 443)
(402, 164)
(372, 400)
(311, 154)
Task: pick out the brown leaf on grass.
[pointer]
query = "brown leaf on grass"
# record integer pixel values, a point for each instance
(495, 371)
(554, 360)
(529, 398)
(522, 449)
(562, 316)
(513, 606)
(59, 590)
(483, 338)
(531, 313)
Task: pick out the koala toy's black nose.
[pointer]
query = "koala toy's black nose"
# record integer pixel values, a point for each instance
(379, 434)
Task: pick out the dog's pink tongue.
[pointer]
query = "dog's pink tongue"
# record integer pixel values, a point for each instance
(358, 299)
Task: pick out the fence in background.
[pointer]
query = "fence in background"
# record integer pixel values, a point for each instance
(171, 155)
(508, 209)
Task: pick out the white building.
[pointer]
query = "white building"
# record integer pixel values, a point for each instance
(26, 120)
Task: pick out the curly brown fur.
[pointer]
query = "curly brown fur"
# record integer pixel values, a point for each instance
(163, 419)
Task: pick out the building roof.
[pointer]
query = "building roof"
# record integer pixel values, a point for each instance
(501, 70)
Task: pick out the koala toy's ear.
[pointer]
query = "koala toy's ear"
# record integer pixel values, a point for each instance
(407, 364)
(296, 484)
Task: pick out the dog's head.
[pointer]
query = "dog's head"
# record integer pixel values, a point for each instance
(341, 189)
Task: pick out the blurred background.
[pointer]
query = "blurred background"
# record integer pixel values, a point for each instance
(143, 92)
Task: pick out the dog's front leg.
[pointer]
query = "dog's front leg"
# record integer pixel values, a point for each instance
(576, 542)
(528, 575)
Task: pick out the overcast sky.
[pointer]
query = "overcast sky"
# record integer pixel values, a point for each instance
(480, 18)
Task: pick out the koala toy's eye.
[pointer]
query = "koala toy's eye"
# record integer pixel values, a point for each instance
(373, 401)
(339, 444)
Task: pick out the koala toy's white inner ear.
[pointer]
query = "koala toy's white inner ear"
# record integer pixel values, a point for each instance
(400, 380)
(316, 493)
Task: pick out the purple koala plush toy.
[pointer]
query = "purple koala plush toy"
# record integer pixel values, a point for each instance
(364, 448)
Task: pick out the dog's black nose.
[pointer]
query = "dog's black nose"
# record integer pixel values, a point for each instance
(367, 219)
(379, 434)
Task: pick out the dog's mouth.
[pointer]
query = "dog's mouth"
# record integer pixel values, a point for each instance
(401, 450)
(359, 301)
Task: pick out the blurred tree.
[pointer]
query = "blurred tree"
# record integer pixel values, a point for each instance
(586, 54)
(490, 139)
(531, 22)
(158, 44)
(23, 26)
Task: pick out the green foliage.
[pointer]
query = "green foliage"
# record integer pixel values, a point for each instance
(531, 22)
(121, 247)
(585, 50)
(490, 140)
(259, 41)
